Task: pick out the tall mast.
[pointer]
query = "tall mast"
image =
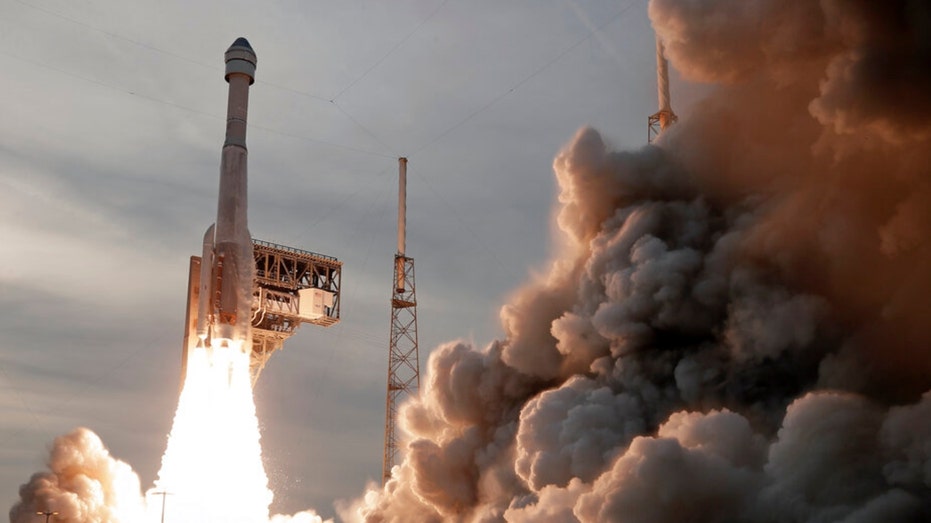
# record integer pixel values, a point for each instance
(402, 205)
(403, 354)
(664, 117)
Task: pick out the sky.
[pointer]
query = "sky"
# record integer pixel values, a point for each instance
(113, 120)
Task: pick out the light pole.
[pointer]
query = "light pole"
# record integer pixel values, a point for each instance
(47, 514)
(163, 494)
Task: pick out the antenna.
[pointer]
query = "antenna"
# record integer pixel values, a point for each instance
(402, 205)
(402, 226)
(403, 354)
(664, 117)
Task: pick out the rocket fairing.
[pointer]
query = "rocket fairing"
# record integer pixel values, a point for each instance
(224, 300)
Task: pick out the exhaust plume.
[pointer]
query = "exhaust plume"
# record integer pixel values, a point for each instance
(736, 330)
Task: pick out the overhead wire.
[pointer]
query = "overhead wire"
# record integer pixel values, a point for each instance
(319, 142)
(492, 102)
(524, 80)
(94, 381)
(168, 103)
(449, 206)
(365, 129)
(113, 35)
(371, 68)
(200, 64)
(160, 50)
(593, 31)
(332, 100)
(342, 329)
(35, 419)
(390, 51)
(341, 203)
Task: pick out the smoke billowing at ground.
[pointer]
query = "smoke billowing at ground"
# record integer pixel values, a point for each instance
(82, 480)
(212, 468)
(735, 328)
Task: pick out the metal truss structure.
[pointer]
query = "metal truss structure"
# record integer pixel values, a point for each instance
(291, 287)
(659, 121)
(403, 354)
(664, 117)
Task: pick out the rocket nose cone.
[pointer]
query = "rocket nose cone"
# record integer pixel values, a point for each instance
(241, 49)
(240, 58)
(241, 42)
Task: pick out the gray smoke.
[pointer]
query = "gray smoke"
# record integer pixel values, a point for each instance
(736, 329)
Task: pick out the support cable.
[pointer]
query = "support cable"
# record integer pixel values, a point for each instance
(154, 99)
(35, 419)
(358, 334)
(364, 128)
(449, 205)
(390, 51)
(156, 49)
(526, 79)
(89, 384)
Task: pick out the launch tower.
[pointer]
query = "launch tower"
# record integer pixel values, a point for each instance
(291, 287)
(244, 292)
(664, 117)
(403, 354)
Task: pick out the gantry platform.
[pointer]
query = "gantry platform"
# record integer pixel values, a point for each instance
(291, 287)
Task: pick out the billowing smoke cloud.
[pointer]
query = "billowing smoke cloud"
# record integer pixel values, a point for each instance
(737, 329)
(83, 484)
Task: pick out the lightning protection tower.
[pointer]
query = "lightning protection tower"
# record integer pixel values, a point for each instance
(403, 355)
(664, 117)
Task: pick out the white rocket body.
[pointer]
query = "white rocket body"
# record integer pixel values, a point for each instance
(227, 268)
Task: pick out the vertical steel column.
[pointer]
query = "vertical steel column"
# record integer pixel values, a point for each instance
(403, 353)
(664, 117)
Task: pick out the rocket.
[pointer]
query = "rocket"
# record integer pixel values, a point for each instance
(224, 293)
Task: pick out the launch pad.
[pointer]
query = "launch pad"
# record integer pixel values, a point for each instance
(291, 287)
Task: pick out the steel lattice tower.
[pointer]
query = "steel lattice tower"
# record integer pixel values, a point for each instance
(403, 354)
(664, 117)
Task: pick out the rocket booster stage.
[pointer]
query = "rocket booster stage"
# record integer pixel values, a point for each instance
(224, 300)
(234, 298)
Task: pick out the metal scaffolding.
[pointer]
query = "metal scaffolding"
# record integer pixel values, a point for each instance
(291, 287)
